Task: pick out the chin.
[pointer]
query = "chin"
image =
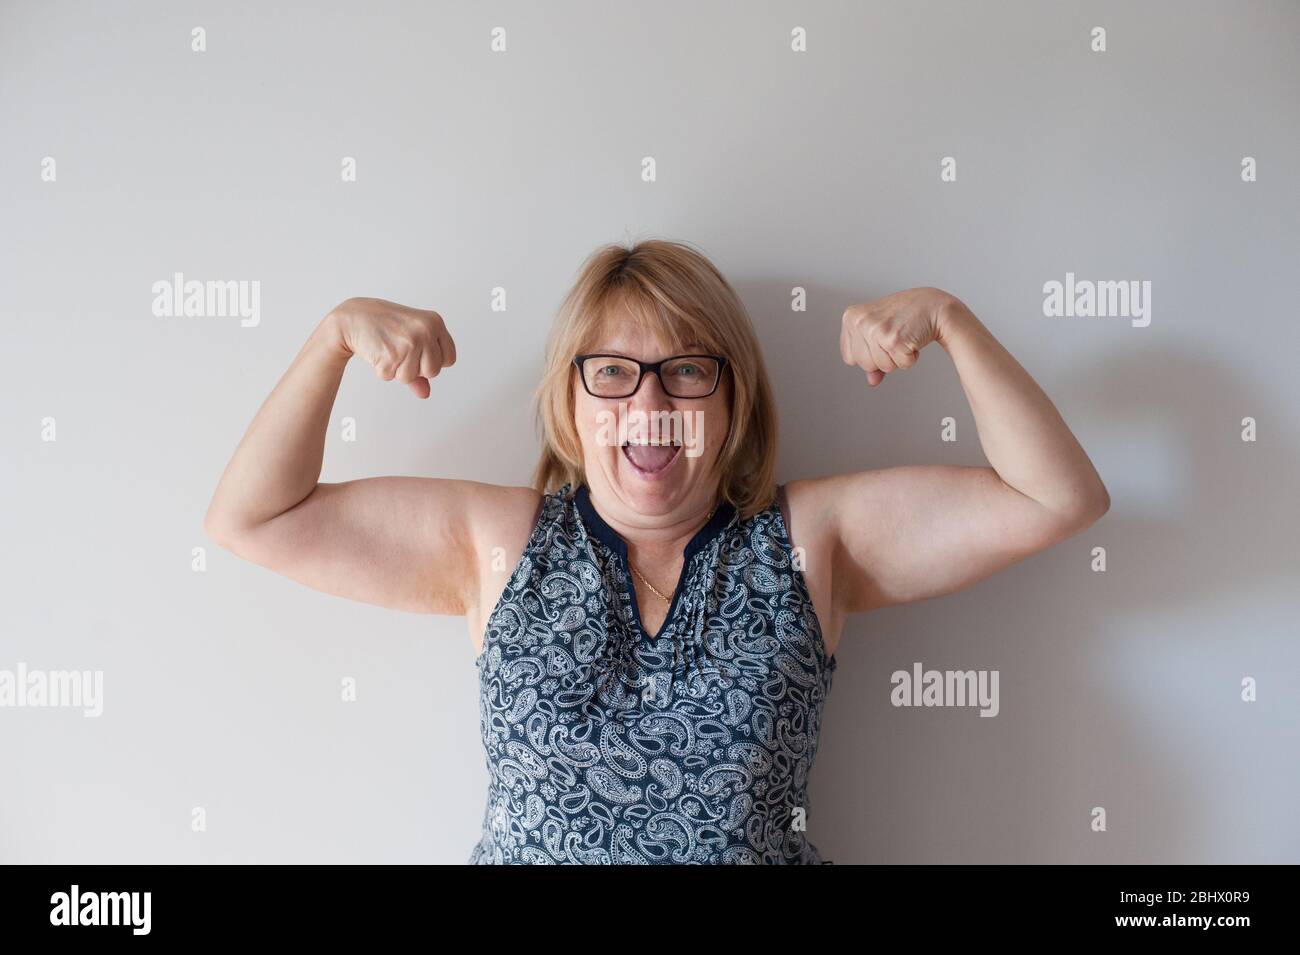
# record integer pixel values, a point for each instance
(655, 490)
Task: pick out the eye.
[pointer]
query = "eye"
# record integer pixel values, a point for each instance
(610, 371)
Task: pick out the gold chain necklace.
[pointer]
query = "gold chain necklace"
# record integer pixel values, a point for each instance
(653, 590)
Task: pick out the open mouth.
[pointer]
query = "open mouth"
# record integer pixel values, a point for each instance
(651, 458)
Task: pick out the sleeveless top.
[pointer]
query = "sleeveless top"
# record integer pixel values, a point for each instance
(607, 745)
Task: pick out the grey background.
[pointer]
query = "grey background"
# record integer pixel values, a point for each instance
(818, 170)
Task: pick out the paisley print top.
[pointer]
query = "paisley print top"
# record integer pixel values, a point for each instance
(607, 745)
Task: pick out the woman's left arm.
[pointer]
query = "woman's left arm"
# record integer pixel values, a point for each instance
(907, 533)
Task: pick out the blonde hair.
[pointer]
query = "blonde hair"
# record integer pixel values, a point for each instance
(672, 290)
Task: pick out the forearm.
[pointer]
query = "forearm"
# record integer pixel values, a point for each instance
(278, 462)
(1023, 435)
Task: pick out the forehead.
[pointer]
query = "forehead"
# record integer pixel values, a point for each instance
(623, 334)
(646, 350)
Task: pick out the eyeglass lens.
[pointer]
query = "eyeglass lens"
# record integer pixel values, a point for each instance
(686, 377)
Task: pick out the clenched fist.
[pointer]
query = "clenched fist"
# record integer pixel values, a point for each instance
(408, 344)
(890, 332)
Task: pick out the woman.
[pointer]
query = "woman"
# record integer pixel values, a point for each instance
(654, 621)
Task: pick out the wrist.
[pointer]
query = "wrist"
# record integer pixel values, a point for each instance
(953, 321)
(330, 333)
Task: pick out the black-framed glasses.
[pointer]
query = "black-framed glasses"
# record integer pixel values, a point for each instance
(682, 376)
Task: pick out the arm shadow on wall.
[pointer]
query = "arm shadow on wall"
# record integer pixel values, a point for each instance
(1089, 715)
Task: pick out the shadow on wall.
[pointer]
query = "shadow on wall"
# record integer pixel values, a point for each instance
(1090, 715)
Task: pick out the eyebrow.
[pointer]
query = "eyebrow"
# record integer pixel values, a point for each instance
(691, 348)
(682, 354)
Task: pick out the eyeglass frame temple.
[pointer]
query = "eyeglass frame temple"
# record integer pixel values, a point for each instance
(650, 367)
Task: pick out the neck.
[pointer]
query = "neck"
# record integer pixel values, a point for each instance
(653, 535)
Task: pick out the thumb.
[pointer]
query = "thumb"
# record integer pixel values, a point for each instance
(420, 386)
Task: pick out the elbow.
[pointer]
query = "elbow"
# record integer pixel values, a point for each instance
(220, 530)
(216, 531)
(1077, 513)
(1103, 502)
(1098, 502)
(1090, 508)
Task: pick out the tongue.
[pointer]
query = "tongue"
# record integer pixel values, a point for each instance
(649, 457)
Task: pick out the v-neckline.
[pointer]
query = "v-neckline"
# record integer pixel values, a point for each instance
(611, 539)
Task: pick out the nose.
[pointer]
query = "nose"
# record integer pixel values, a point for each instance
(644, 407)
(650, 392)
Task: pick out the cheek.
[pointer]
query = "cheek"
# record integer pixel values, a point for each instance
(716, 420)
(586, 421)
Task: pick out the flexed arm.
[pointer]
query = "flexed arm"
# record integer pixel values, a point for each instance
(402, 542)
(907, 533)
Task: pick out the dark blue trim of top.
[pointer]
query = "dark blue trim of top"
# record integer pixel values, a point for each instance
(610, 538)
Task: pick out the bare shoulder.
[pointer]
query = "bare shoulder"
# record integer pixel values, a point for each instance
(504, 521)
(808, 514)
(809, 511)
(500, 503)
(501, 517)
(814, 513)
(847, 529)
(818, 503)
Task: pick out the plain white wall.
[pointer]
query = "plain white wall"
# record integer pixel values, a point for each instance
(478, 170)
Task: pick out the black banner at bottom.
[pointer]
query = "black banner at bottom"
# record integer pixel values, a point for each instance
(342, 904)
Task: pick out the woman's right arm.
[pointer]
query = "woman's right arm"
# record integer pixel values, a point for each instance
(415, 544)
